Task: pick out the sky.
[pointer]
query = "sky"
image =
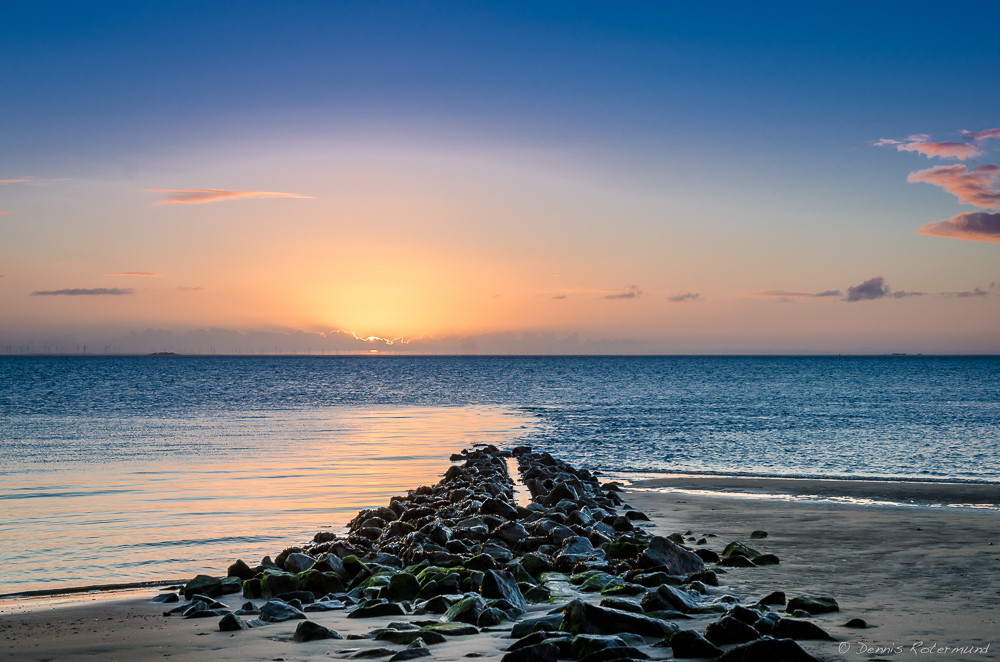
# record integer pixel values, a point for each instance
(503, 177)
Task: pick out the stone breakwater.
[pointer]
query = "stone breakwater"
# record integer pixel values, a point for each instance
(574, 575)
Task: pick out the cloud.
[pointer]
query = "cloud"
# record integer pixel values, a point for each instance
(2, 276)
(785, 294)
(922, 144)
(686, 296)
(187, 288)
(972, 187)
(981, 135)
(970, 226)
(185, 196)
(901, 294)
(13, 181)
(873, 288)
(97, 291)
(977, 292)
(560, 296)
(146, 274)
(3, 213)
(630, 292)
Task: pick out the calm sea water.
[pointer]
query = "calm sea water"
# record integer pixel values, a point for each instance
(125, 469)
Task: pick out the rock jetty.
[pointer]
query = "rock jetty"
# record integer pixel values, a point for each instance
(573, 574)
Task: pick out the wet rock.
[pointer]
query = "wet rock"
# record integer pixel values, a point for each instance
(668, 597)
(615, 653)
(325, 605)
(204, 585)
(298, 562)
(582, 618)
(240, 569)
(688, 644)
(536, 564)
(812, 604)
(773, 598)
(378, 609)
(767, 649)
(276, 611)
(621, 605)
(706, 577)
(765, 624)
(855, 623)
(741, 613)
(452, 629)
(757, 535)
(402, 586)
(707, 555)
(309, 631)
(537, 653)
(490, 617)
(409, 654)
(548, 623)
(276, 582)
(232, 623)
(166, 597)
(674, 560)
(302, 597)
(500, 508)
(466, 610)
(409, 636)
(500, 585)
(637, 516)
(737, 562)
(373, 652)
(737, 548)
(729, 630)
(319, 583)
(330, 563)
(588, 644)
(766, 559)
(248, 609)
(252, 589)
(793, 628)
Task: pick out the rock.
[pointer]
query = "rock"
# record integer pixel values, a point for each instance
(757, 535)
(705, 576)
(576, 545)
(812, 604)
(793, 628)
(637, 516)
(855, 623)
(298, 562)
(402, 586)
(767, 649)
(240, 569)
(741, 613)
(378, 609)
(232, 623)
(319, 583)
(707, 555)
(248, 609)
(391, 560)
(668, 597)
(536, 653)
(661, 553)
(409, 636)
(409, 654)
(737, 562)
(535, 564)
(330, 563)
(166, 597)
(511, 533)
(737, 548)
(325, 605)
(549, 623)
(765, 624)
(621, 605)
(623, 550)
(582, 618)
(303, 597)
(466, 610)
(773, 598)
(500, 585)
(252, 589)
(452, 629)
(490, 617)
(688, 644)
(309, 631)
(500, 508)
(373, 652)
(276, 583)
(205, 585)
(481, 562)
(587, 644)
(766, 559)
(729, 630)
(276, 611)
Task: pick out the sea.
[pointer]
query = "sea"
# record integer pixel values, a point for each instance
(126, 469)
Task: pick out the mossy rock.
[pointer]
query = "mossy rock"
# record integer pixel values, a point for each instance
(737, 548)
(623, 550)
(401, 586)
(251, 589)
(276, 583)
(320, 583)
(204, 585)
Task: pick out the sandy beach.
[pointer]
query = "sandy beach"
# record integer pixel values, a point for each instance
(923, 576)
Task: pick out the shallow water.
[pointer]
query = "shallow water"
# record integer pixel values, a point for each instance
(129, 468)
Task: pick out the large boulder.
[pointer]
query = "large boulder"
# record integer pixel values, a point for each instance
(298, 562)
(309, 631)
(276, 611)
(688, 644)
(402, 586)
(500, 584)
(729, 630)
(466, 610)
(767, 650)
(586, 644)
(203, 585)
(537, 653)
(672, 558)
(580, 617)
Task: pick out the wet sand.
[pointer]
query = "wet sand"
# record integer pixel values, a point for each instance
(919, 573)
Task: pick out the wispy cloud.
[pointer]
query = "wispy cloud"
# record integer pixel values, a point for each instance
(977, 292)
(972, 187)
(948, 149)
(188, 288)
(14, 181)
(172, 196)
(786, 294)
(560, 296)
(2, 276)
(96, 291)
(630, 292)
(145, 274)
(4, 213)
(684, 296)
(873, 288)
(970, 226)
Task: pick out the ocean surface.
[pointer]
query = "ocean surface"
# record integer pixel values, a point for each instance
(118, 469)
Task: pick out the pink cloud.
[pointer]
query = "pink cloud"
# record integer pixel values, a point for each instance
(923, 144)
(137, 273)
(785, 294)
(972, 187)
(971, 226)
(980, 135)
(4, 213)
(12, 181)
(174, 196)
